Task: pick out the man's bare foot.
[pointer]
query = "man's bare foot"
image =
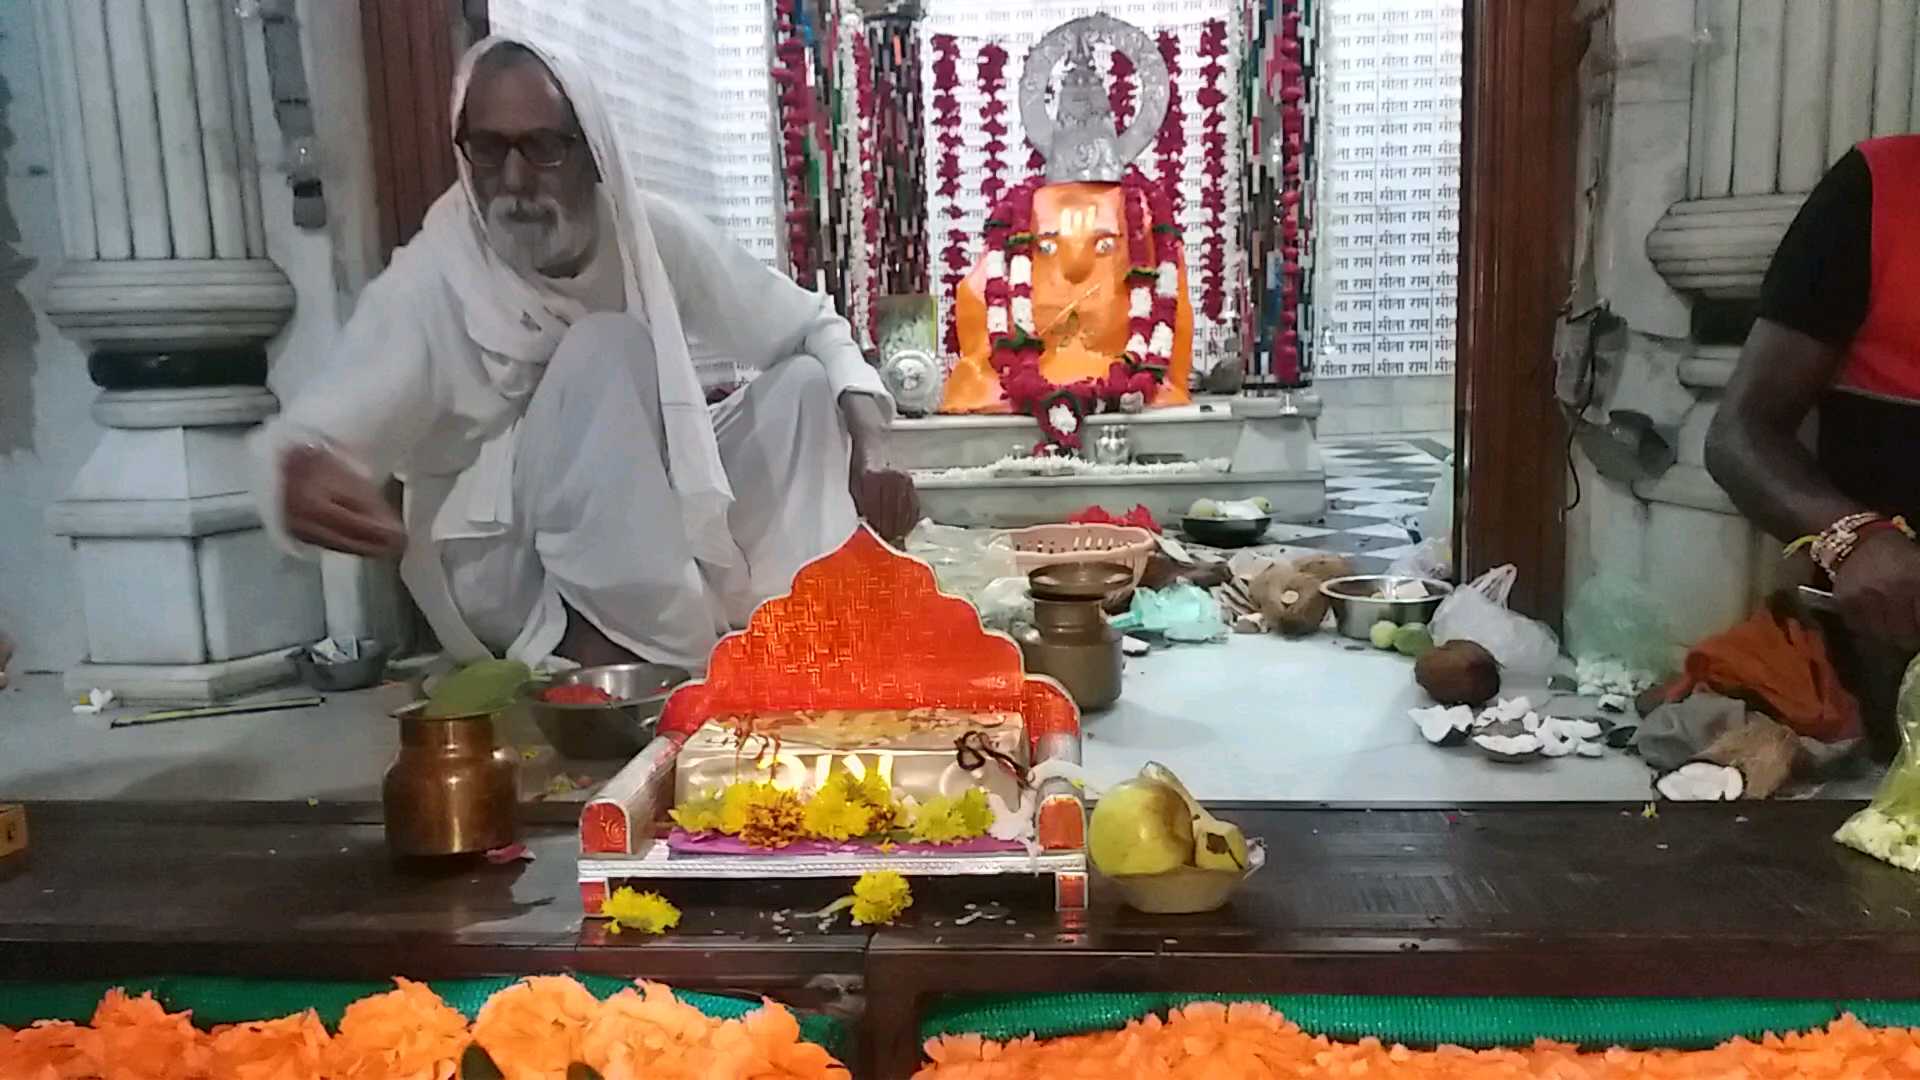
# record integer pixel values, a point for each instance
(586, 645)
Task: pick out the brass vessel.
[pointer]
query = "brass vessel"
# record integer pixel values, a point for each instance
(450, 790)
(1070, 638)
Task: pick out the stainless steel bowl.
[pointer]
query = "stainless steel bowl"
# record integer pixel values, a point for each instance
(605, 732)
(335, 678)
(1356, 610)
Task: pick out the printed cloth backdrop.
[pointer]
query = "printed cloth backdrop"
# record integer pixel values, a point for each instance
(1015, 26)
(686, 82)
(1390, 202)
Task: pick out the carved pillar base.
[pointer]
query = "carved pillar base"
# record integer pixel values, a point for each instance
(185, 597)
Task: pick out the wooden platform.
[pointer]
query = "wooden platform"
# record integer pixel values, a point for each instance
(1578, 899)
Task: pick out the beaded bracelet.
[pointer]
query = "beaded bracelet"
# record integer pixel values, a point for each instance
(1831, 546)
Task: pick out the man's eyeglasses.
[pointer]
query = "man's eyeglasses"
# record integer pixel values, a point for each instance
(541, 149)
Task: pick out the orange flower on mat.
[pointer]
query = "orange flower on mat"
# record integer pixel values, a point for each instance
(404, 1034)
(532, 1030)
(291, 1048)
(1251, 1042)
(139, 1040)
(51, 1050)
(645, 1033)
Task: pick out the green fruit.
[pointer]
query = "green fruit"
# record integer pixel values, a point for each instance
(479, 688)
(1382, 634)
(1204, 508)
(1265, 506)
(1413, 640)
(1140, 826)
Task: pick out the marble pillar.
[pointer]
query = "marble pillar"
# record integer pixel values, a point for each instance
(167, 287)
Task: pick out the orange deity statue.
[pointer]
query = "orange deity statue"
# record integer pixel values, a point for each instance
(1079, 302)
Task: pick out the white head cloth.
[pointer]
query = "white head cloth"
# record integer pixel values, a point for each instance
(517, 323)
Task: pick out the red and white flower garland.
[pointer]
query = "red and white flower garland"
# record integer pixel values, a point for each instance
(1120, 90)
(1213, 99)
(992, 64)
(864, 163)
(796, 102)
(946, 110)
(1170, 144)
(1287, 83)
(1153, 303)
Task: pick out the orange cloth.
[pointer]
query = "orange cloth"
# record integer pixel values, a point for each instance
(1777, 664)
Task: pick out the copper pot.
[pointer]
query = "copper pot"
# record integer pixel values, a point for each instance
(1070, 638)
(450, 790)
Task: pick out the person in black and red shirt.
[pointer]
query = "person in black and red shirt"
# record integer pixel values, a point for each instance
(1839, 328)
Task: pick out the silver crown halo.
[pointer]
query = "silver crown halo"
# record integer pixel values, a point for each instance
(1078, 137)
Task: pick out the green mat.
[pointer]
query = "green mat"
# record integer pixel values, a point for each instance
(1480, 1023)
(233, 1001)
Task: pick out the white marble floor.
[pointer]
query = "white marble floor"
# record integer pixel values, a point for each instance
(1253, 718)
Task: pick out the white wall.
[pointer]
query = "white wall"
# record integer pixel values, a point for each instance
(45, 430)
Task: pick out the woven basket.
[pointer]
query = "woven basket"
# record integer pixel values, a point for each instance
(1051, 545)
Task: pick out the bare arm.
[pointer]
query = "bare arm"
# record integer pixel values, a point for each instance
(1754, 449)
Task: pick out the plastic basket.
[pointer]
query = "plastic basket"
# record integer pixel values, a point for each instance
(1051, 545)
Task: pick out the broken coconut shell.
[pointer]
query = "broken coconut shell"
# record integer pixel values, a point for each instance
(1701, 781)
(1458, 673)
(1443, 725)
(1763, 751)
(1292, 603)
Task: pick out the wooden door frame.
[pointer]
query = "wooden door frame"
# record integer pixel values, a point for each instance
(1520, 114)
(1520, 133)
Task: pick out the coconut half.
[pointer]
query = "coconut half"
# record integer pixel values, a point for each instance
(1701, 781)
(1509, 748)
(1443, 726)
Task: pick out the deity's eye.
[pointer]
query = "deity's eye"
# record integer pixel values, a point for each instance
(1049, 247)
(1104, 245)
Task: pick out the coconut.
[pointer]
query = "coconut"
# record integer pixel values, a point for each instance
(1325, 565)
(1292, 602)
(1458, 673)
(1701, 781)
(1764, 753)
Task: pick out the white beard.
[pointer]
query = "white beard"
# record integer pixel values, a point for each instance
(554, 238)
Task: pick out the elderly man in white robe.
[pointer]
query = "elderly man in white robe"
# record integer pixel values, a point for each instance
(525, 368)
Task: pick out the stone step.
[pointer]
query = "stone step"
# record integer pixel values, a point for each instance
(1206, 429)
(1297, 496)
(1268, 444)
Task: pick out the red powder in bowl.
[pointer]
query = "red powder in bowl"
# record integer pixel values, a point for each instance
(575, 695)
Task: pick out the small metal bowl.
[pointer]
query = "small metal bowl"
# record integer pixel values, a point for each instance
(1226, 532)
(338, 678)
(605, 732)
(1356, 609)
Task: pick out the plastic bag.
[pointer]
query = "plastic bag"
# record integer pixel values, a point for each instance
(1889, 828)
(1617, 617)
(965, 561)
(1477, 612)
(1004, 604)
(1428, 559)
(1182, 612)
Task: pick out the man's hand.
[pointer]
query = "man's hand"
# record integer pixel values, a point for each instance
(330, 505)
(883, 496)
(1878, 589)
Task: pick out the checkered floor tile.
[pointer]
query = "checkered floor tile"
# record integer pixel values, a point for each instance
(1374, 489)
